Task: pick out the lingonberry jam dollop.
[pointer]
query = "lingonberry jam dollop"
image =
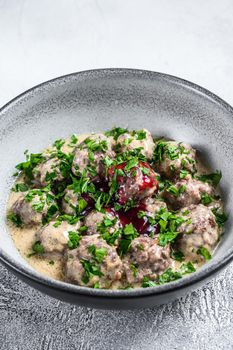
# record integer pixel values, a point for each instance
(133, 182)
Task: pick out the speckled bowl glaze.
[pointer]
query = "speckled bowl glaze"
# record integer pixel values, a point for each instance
(97, 100)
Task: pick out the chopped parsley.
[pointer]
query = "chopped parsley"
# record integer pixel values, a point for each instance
(206, 199)
(27, 167)
(131, 164)
(204, 252)
(169, 275)
(74, 239)
(140, 134)
(58, 144)
(104, 229)
(98, 254)
(177, 255)
(15, 219)
(220, 217)
(168, 223)
(134, 269)
(167, 237)
(20, 187)
(90, 270)
(37, 248)
(116, 132)
(73, 141)
(176, 191)
(146, 283)
(71, 219)
(213, 178)
(128, 235)
(183, 173)
(186, 268)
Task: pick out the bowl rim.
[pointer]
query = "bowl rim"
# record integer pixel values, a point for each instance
(211, 268)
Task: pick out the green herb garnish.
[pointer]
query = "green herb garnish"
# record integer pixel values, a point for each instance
(213, 178)
(204, 252)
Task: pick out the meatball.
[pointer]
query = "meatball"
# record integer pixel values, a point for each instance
(74, 203)
(89, 155)
(107, 224)
(44, 172)
(34, 206)
(153, 205)
(133, 183)
(93, 263)
(146, 259)
(199, 230)
(137, 139)
(54, 239)
(187, 191)
(171, 157)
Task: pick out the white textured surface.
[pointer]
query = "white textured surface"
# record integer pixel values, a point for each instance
(40, 40)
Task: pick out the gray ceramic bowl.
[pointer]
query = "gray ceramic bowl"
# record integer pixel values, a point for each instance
(97, 100)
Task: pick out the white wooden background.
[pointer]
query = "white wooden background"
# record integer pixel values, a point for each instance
(40, 40)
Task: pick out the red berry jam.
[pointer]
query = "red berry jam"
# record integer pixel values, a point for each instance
(131, 216)
(137, 182)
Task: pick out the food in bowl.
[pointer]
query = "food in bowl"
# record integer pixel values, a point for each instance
(116, 210)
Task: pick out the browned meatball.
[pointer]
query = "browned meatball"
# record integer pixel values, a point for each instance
(146, 259)
(107, 224)
(34, 206)
(54, 239)
(89, 155)
(171, 157)
(44, 172)
(137, 139)
(153, 205)
(199, 230)
(93, 263)
(74, 203)
(187, 191)
(135, 183)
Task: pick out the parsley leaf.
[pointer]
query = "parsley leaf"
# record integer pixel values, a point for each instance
(146, 283)
(176, 191)
(15, 219)
(177, 255)
(140, 134)
(204, 252)
(183, 174)
(58, 144)
(74, 239)
(220, 217)
(166, 238)
(186, 268)
(169, 276)
(131, 164)
(37, 248)
(20, 187)
(98, 254)
(128, 235)
(90, 270)
(206, 199)
(116, 132)
(32, 160)
(213, 178)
